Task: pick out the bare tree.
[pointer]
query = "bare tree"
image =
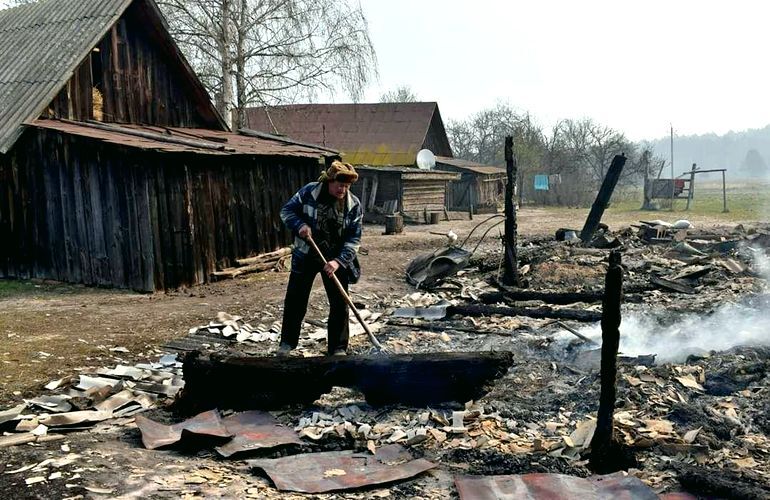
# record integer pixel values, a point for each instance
(402, 93)
(271, 51)
(479, 138)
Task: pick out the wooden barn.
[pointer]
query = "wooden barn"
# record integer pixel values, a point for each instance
(480, 188)
(115, 168)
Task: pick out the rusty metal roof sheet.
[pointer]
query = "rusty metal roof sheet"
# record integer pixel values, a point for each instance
(553, 487)
(365, 134)
(468, 166)
(155, 435)
(162, 139)
(341, 470)
(254, 430)
(41, 45)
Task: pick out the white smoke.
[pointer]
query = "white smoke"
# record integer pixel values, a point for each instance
(729, 325)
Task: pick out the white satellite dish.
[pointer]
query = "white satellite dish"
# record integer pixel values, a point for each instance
(425, 159)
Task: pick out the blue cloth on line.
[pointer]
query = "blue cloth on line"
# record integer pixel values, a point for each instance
(541, 183)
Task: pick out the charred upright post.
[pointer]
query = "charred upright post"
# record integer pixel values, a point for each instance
(603, 198)
(511, 274)
(605, 452)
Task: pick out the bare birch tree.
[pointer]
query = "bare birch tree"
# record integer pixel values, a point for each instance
(403, 93)
(250, 52)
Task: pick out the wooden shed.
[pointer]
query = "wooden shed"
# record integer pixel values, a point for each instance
(480, 188)
(412, 192)
(115, 168)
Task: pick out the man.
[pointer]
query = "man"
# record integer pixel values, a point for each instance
(329, 213)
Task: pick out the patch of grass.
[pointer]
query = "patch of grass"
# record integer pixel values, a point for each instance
(744, 203)
(11, 288)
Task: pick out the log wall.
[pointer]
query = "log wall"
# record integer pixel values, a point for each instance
(77, 210)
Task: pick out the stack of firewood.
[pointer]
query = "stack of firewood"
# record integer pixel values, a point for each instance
(277, 260)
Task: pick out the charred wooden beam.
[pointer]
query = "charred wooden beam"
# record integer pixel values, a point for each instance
(606, 453)
(511, 265)
(547, 297)
(242, 382)
(603, 198)
(538, 313)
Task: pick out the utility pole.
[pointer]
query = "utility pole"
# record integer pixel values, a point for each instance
(673, 186)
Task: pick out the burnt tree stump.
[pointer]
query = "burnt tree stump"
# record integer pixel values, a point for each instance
(248, 382)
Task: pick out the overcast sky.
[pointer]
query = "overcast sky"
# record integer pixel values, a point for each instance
(635, 66)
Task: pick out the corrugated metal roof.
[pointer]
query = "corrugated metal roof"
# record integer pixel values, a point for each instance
(160, 139)
(365, 134)
(411, 173)
(469, 166)
(41, 44)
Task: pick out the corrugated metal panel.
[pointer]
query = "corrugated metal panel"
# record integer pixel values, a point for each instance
(41, 44)
(233, 143)
(366, 134)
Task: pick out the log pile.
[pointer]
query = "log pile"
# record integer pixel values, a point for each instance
(257, 264)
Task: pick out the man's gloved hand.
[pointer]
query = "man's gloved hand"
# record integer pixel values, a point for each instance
(304, 232)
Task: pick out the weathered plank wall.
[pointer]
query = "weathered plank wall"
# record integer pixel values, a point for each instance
(139, 79)
(78, 210)
(419, 196)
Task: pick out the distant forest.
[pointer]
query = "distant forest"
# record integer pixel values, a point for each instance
(745, 154)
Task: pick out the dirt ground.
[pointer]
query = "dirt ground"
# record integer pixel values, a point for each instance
(54, 330)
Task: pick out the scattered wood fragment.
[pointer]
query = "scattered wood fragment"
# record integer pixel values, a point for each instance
(672, 285)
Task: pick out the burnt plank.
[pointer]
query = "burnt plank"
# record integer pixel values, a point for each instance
(539, 312)
(559, 298)
(274, 382)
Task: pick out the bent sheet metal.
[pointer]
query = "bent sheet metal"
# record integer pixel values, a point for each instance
(553, 486)
(341, 470)
(253, 430)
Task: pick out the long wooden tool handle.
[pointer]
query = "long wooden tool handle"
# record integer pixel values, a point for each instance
(345, 296)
